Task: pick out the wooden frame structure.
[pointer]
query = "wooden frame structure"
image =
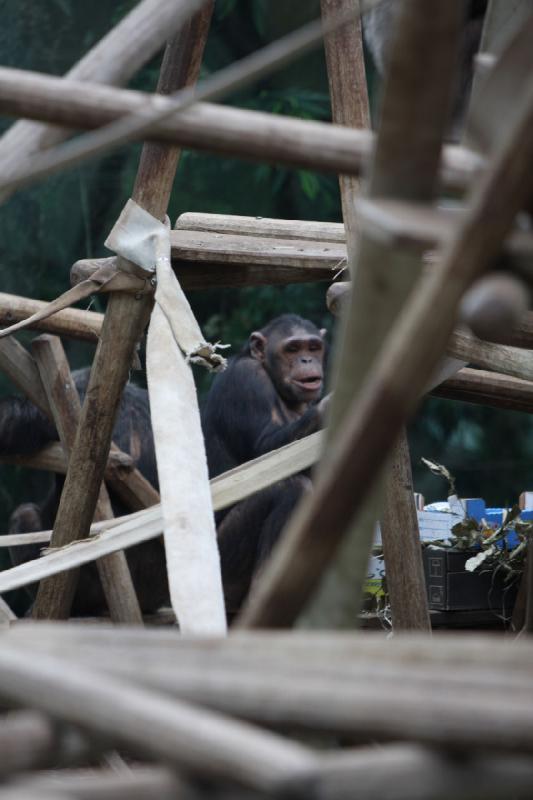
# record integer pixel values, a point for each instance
(210, 722)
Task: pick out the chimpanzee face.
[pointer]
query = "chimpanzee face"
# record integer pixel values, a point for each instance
(294, 363)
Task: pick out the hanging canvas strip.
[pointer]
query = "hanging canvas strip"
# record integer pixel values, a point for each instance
(174, 339)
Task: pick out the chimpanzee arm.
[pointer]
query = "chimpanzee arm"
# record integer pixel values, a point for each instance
(276, 435)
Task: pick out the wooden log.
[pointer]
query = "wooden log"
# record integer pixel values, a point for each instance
(133, 782)
(406, 583)
(495, 357)
(65, 405)
(264, 227)
(71, 322)
(404, 167)
(227, 131)
(124, 323)
(28, 740)
(356, 702)
(204, 743)
(488, 389)
(347, 89)
(411, 772)
(391, 394)
(114, 59)
(475, 652)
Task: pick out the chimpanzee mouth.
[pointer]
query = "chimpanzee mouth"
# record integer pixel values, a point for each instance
(311, 384)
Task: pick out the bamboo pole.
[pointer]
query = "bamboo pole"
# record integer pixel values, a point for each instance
(415, 344)
(240, 133)
(66, 409)
(405, 168)
(124, 322)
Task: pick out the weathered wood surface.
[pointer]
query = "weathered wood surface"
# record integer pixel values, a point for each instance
(231, 132)
(124, 322)
(404, 167)
(114, 59)
(406, 583)
(179, 734)
(448, 691)
(390, 394)
(347, 89)
(71, 322)
(495, 357)
(264, 227)
(65, 405)
(349, 98)
(489, 389)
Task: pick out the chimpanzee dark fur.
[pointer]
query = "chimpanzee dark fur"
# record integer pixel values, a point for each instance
(254, 407)
(24, 429)
(269, 396)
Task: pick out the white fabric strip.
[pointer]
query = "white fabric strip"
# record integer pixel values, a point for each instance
(193, 563)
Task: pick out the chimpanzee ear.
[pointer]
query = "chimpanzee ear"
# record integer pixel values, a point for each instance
(323, 332)
(257, 345)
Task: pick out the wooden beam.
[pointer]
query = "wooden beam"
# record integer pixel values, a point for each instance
(71, 322)
(488, 389)
(253, 135)
(66, 408)
(403, 367)
(404, 168)
(124, 322)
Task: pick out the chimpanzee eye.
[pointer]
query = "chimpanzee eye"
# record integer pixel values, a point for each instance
(292, 348)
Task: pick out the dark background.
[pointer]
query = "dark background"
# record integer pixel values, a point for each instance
(45, 229)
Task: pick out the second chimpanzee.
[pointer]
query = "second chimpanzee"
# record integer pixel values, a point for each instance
(269, 396)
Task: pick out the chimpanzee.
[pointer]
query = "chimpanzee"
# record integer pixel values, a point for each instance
(24, 429)
(269, 396)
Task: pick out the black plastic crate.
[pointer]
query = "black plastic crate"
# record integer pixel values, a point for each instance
(451, 588)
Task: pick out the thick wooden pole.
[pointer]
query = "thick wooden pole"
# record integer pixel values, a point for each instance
(125, 320)
(404, 168)
(66, 409)
(401, 545)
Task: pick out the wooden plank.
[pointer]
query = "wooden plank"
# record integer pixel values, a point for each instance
(488, 389)
(264, 227)
(65, 405)
(124, 322)
(254, 135)
(406, 583)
